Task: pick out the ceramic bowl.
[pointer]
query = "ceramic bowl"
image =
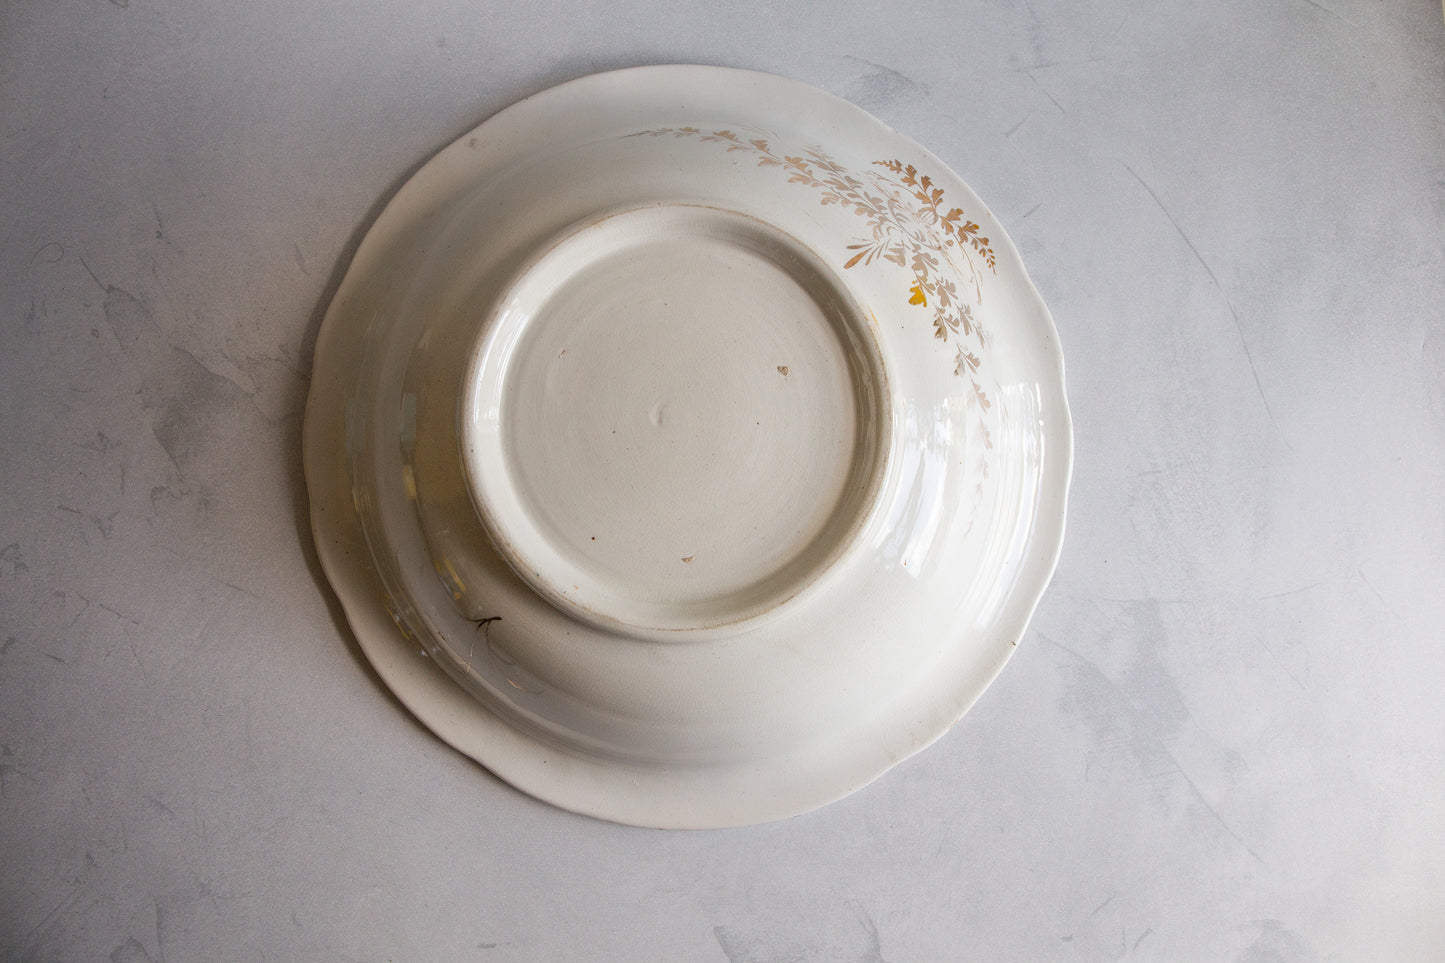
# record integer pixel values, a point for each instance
(687, 447)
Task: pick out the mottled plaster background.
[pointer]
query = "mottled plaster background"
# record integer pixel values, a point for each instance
(1221, 740)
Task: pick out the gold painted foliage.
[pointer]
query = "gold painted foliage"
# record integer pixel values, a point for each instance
(909, 225)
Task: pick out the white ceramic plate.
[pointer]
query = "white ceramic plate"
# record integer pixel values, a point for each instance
(687, 447)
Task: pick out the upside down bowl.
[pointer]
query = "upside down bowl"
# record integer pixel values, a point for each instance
(687, 447)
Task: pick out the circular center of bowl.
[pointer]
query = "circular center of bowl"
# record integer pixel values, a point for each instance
(674, 420)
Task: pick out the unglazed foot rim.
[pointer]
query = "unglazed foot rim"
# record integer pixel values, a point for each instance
(674, 420)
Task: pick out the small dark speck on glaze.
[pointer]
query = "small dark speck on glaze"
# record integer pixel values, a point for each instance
(689, 558)
(783, 370)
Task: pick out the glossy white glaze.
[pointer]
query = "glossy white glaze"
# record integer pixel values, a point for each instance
(836, 488)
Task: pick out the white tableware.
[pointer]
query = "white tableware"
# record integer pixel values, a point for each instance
(687, 447)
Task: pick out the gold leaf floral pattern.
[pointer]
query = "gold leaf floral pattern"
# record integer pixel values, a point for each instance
(939, 249)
